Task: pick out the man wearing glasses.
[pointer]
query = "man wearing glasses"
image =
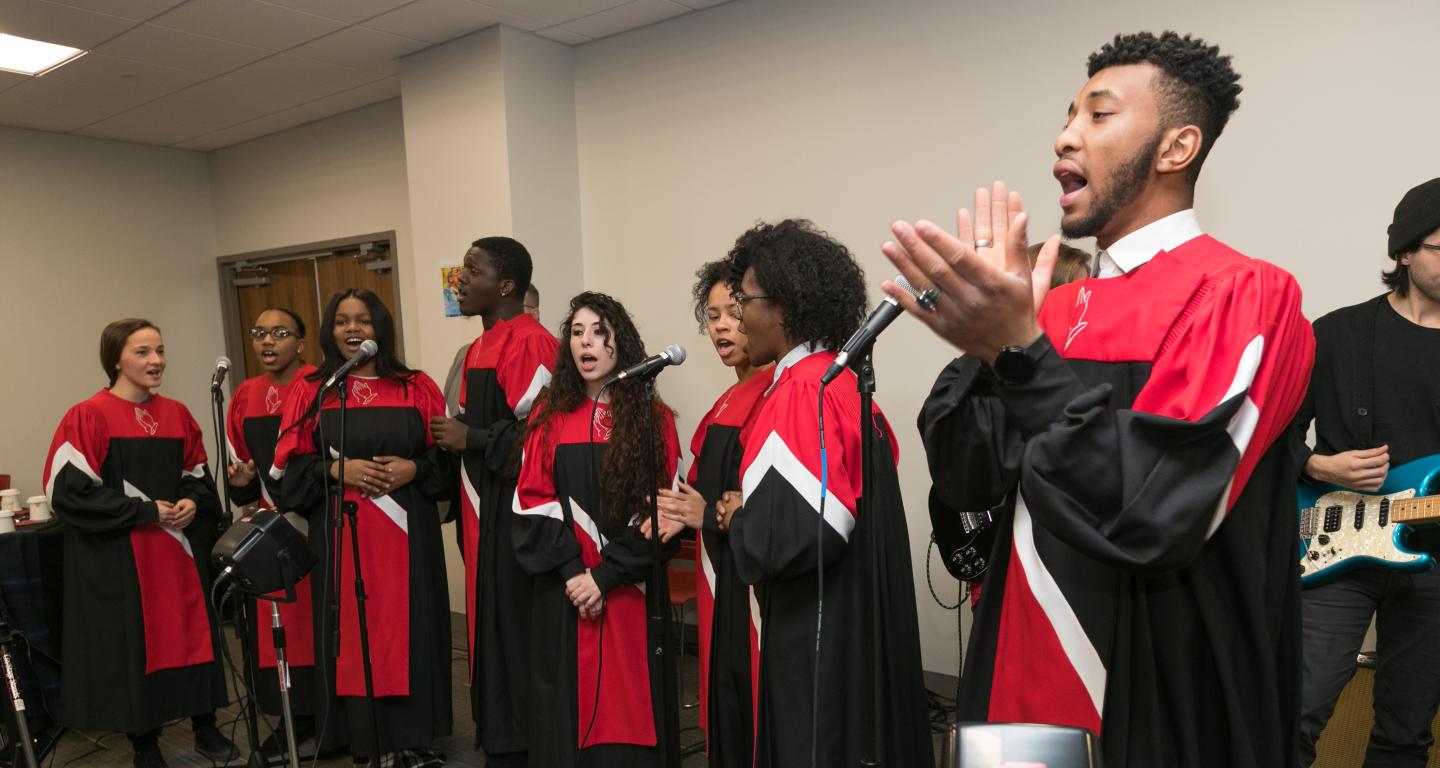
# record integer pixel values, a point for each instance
(1375, 401)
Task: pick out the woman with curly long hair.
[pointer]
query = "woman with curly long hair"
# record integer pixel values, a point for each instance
(800, 295)
(584, 486)
(394, 474)
(729, 639)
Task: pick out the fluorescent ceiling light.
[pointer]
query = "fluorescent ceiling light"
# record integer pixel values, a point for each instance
(33, 57)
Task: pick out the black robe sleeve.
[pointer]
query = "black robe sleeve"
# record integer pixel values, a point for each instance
(1144, 487)
(72, 480)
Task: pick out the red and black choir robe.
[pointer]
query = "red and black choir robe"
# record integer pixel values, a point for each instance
(401, 555)
(252, 428)
(141, 645)
(726, 609)
(561, 528)
(505, 370)
(1145, 584)
(776, 545)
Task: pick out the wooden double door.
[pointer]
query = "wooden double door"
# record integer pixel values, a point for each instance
(304, 283)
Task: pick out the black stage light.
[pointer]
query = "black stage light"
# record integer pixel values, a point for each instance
(264, 554)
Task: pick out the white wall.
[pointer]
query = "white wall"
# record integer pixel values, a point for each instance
(544, 164)
(853, 113)
(93, 231)
(334, 178)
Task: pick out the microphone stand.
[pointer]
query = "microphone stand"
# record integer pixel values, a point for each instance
(12, 689)
(282, 666)
(666, 733)
(866, 508)
(243, 622)
(351, 510)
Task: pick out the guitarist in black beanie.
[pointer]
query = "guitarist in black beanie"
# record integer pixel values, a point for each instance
(1375, 401)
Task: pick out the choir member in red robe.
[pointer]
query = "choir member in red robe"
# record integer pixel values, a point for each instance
(801, 294)
(127, 475)
(584, 486)
(504, 371)
(725, 605)
(393, 473)
(253, 427)
(1144, 583)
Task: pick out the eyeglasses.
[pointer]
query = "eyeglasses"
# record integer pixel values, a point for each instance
(278, 333)
(1430, 246)
(741, 299)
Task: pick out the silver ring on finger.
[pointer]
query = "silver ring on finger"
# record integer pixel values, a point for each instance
(927, 299)
(982, 243)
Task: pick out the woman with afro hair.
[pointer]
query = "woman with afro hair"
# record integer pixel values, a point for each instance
(801, 294)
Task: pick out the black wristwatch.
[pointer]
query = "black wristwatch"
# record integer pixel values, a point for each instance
(1013, 366)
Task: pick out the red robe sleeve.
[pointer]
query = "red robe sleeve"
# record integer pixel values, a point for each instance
(774, 535)
(544, 540)
(72, 477)
(1145, 487)
(527, 371)
(236, 447)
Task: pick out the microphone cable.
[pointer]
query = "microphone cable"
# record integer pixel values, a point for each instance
(600, 642)
(820, 586)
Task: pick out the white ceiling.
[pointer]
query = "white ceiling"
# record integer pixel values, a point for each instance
(205, 74)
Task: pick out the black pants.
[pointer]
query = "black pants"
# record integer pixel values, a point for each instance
(151, 739)
(1407, 679)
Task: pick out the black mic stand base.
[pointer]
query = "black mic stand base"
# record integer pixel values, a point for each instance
(17, 702)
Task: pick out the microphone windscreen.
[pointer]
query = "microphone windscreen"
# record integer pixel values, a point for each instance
(222, 362)
(676, 353)
(903, 283)
(369, 348)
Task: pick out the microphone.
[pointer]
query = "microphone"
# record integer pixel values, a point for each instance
(368, 349)
(222, 367)
(864, 336)
(650, 366)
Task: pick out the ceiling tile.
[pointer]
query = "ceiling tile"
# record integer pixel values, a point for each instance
(124, 76)
(438, 21)
(563, 35)
(53, 105)
(344, 10)
(195, 111)
(59, 23)
(629, 16)
(9, 80)
(553, 12)
(181, 50)
(249, 22)
(138, 10)
(383, 90)
(307, 77)
(361, 48)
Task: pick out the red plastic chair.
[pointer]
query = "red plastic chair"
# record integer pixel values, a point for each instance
(682, 592)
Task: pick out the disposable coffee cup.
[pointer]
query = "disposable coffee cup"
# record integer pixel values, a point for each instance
(10, 500)
(7, 521)
(39, 508)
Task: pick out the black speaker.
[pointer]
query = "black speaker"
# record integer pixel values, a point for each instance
(264, 554)
(995, 745)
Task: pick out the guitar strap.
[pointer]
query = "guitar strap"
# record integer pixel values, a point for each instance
(1363, 346)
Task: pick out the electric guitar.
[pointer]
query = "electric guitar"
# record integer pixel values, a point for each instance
(965, 539)
(1342, 528)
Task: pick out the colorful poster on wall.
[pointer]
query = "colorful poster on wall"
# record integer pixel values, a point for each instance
(449, 282)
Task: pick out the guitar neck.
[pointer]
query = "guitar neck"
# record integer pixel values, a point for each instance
(1425, 509)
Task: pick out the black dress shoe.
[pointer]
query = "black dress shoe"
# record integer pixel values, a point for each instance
(150, 757)
(212, 745)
